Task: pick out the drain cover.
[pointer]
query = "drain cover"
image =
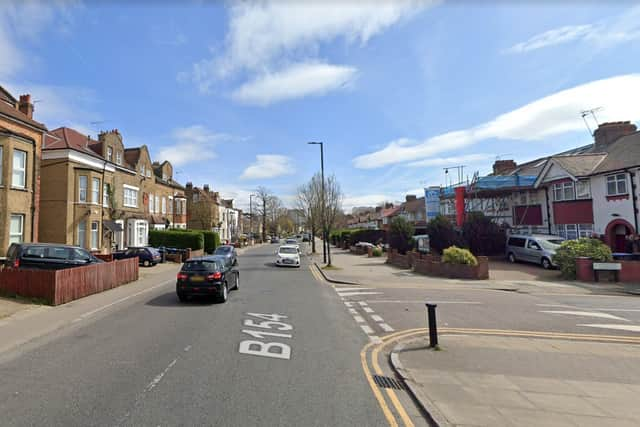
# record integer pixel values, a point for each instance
(388, 382)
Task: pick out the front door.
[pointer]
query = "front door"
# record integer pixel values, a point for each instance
(620, 243)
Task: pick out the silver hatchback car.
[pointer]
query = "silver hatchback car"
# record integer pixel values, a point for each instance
(536, 248)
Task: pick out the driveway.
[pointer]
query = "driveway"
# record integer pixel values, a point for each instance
(503, 270)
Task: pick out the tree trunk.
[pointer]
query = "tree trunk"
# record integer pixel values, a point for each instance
(313, 239)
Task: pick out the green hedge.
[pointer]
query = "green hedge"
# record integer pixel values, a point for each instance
(567, 253)
(211, 238)
(177, 239)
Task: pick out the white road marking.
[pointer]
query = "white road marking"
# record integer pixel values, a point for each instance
(353, 311)
(586, 314)
(631, 328)
(159, 377)
(368, 309)
(367, 329)
(556, 305)
(377, 318)
(386, 327)
(363, 303)
(104, 307)
(348, 304)
(359, 319)
(350, 294)
(375, 339)
(352, 288)
(391, 301)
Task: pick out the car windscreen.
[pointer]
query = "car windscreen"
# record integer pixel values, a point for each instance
(223, 250)
(551, 244)
(200, 265)
(288, 251)
(291, 241)
(153, 251)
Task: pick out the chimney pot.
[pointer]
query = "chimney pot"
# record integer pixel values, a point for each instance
(410, 197)
(25, 105)
(607, 133)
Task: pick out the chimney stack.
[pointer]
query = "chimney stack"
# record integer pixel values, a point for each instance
(206, 188)
(25, 105)
(503, 166)
(607, 133)
(189, 185)
(410, 197)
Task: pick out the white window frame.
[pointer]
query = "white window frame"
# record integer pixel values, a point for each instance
(118, 157)
(142, 170)
(617, 179)
(562, 188)
(164, 206)
(82, 190)
(16, 236)
(580, 187)
(20, 170)
(110, 153)
(94, 235)
(95, 191)
(156, 207)
(105, 194)
(130, 196)
(170, 205)
(148, 175)
(82, 231)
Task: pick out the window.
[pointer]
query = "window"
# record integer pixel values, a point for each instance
(583, 189)
(574, 231)
(157, 205)
(110, 154)
(170, 205)
(164, 206)
(616, 185)
(517, 241)
(165, 177)
(95, 190)
(585, 230)
(105, 194)
(563, 191)
(149, 173)
(19, 169)
(119, 157)
(94, 234)
(532, 244)
(130, 197)
(82, 186)
(82, 233)
(533, 198)
(142, 170)
(0, 164)
(16, 229)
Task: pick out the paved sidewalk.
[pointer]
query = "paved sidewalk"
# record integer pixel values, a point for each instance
(508, 381)
(374, 272)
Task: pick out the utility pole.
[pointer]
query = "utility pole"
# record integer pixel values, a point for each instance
(326, 255)
(251, 218)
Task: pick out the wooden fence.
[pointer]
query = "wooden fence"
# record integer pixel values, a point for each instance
(62, 286)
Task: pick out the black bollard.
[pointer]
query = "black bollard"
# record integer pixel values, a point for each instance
(433, 329)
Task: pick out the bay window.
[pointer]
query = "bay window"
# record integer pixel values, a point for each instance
(19, 176)
(82, 188)
(95, 190)
(130, 197)
(583, 189)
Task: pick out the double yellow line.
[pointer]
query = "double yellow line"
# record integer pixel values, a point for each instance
(316, 274)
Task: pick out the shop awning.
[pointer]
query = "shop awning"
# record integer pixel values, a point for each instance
(112, 225)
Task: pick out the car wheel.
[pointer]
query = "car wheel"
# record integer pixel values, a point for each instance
(512, 258)
(146, 263)
(236, 285)
(182, 297)
(225, 293)
(546, 264)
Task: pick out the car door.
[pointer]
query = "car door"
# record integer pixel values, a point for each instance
(533, 251)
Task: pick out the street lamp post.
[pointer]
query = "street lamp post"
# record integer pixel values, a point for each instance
(325, 243)
(251, 218)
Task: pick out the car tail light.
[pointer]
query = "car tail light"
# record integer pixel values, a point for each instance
(215, 276)
(16, 263)
(182, 276)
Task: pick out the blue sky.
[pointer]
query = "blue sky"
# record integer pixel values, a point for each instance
(230, 92)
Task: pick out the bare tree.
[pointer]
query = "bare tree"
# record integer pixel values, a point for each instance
(333, 206)
(263, 196)
(308, 201)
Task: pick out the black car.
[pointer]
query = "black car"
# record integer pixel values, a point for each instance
(146, 256)
(207, 276)
(228, 252)
(47, 256)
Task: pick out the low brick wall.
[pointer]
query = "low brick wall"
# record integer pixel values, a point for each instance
(398, 260)
(357, 250)
(629, 273)
(62, 286)
(432, 266)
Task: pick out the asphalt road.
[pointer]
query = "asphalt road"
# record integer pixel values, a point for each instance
(157, 362)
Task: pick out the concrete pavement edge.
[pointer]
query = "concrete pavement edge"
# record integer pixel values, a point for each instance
(330, 280)
(427, 407)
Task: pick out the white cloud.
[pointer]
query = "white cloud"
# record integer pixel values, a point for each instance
(456, 160)
(192, 144)
(268, 166)
(351, 201)
(264, 36)
(602, 35)
(549, 116)
(294, 82)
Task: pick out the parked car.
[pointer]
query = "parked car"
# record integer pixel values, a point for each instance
(365, 245)
(47, 256)
(228, 252)
(535, 248)
(207, 276)
(290, 241)
(275, 240)
(288, 255)
(147, 256)
(305, 238)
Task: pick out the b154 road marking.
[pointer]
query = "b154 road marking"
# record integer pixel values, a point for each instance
(266, 323)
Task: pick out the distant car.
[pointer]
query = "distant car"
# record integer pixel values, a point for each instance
(288, 255)
(305, 238)
(147, 256)
(290, 242)
(47, 256)
(207, 276)
(275, 240)
(535, 248)
(228, 252)
(365, 245)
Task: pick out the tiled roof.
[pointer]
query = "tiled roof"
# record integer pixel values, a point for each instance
(580, 164)
(10, 111)
(390, 211)
(623, 153)
(70, 138)
(131, 156)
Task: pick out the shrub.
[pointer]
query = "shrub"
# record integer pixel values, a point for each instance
(211, 240)
(400, 234)
(177, 239)
(483, 236)
(569, 250)
(376, 252)
(442, 234)
(456, 255)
